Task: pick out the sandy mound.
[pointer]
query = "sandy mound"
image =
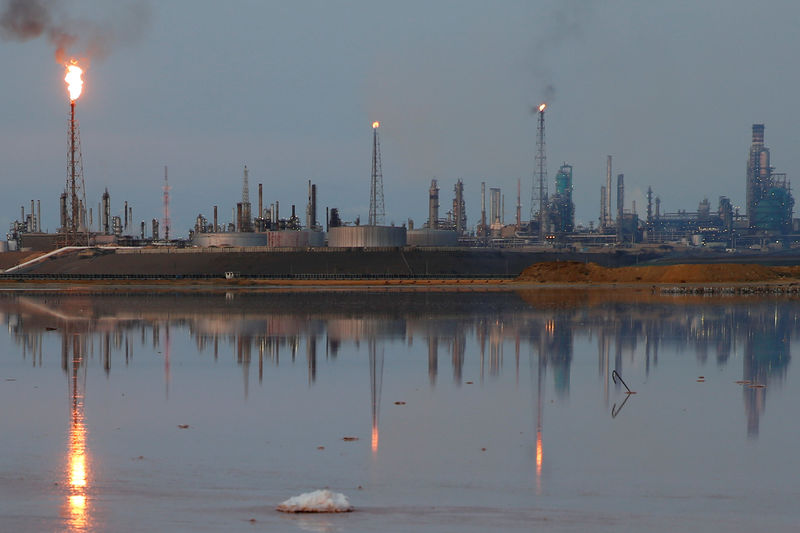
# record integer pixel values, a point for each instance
(575, 272)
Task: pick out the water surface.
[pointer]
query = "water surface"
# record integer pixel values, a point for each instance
(462, 411)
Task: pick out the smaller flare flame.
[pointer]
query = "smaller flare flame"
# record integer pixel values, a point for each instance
(376, 125)
(74, 81)
(542, 107)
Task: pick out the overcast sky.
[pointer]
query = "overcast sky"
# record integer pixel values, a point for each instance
(291, 89)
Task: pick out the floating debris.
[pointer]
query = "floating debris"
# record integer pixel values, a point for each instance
(349, 439)
(48, 328)
(469, 383)
(399, 403)
(757, 386)
(183, 426)
(319, 501)
(743, 382)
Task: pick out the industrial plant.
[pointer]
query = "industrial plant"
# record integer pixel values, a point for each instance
(766, 223)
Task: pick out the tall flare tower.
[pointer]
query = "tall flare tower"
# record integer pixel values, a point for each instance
(246, 223)
(539, 191)
(377, 211)
(73, 211)
(166, 188)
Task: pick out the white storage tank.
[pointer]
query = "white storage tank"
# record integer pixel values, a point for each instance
(225, 239)
(432, 237)
(305, 238)
(366, 236)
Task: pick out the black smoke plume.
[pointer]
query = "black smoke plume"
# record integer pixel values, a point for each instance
(23, 20)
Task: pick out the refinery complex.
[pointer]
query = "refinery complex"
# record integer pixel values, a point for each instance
(765, 224)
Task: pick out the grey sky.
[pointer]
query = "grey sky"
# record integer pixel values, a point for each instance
(291, 89)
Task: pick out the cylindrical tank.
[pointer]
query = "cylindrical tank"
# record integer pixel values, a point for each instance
(432, 237)
(295, 239)
(233, 238)
(366, 236)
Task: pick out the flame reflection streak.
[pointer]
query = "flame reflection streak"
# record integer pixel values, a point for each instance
(77, 459)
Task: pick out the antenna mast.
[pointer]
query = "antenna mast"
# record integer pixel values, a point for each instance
(539, 194)
(166, 205)
(377, 211)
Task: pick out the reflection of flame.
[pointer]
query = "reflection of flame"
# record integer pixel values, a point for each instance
(376, 124)
(74, 81)
(78, 515)
(542, 107)
(375, 437)
(539, 454)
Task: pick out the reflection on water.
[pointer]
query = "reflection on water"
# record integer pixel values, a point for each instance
(461, 337)
(544, 324)
(78, 464)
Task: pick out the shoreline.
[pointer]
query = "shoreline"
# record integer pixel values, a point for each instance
(778, 286)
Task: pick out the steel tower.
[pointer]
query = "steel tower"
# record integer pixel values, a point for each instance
(74, 228)
(539, 192)
(166, 189)
(377, 211)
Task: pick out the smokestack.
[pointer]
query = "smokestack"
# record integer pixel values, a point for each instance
(308, 207)
(260, 202)
(39, 216)
(62, 204)
(216, 226)
(519, 203)
(239, 225)
(105, 217)
(313, 206)
(607, 221)
(125, 214)
(603, 216)
(620, 204)
(433, 205)
(483, 207)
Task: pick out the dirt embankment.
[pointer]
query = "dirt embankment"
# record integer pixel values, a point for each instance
(575, 272)
(10, 259)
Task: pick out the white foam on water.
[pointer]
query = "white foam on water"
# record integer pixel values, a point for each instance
(319, 501)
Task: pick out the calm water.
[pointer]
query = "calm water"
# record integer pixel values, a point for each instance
(135, 412)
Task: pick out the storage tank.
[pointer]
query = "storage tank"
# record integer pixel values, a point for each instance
(295, 238)
(232, 238)
(432, 237)
(366, 236)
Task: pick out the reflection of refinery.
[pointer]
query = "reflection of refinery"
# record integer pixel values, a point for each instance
(473, 329)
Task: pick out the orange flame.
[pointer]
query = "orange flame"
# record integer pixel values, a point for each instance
(74, 81)
(542, 107)
(376, 125)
